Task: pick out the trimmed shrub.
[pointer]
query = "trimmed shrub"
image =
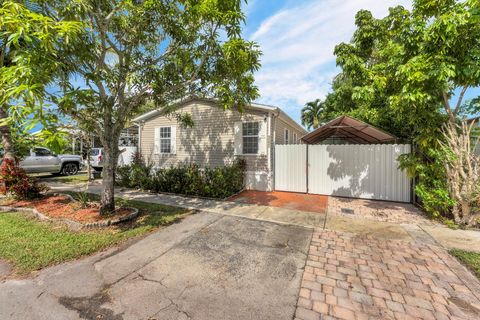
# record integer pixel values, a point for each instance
(220, 182)
(15, 181)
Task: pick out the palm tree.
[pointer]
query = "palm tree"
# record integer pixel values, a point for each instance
(311, 114)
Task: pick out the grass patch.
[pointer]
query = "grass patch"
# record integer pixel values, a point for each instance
(470, 259)
(31, 245)
(78, 178)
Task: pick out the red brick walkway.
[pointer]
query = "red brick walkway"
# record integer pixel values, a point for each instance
(289, 200)
(352, 277)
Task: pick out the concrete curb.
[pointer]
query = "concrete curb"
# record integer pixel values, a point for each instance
(121, 189)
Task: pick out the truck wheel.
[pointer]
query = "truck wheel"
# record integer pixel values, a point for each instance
(70, 169)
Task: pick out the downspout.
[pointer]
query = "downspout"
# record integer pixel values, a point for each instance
(139, 143)
(275, 115)
(413, 194)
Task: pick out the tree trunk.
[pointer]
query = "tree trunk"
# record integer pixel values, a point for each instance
(6, 136)
(110, 153)
(462, 167)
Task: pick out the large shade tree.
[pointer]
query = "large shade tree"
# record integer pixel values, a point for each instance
(156, 51)
(29, 44)
(408, 73)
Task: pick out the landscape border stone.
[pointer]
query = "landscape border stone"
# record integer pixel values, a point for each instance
(74, 225)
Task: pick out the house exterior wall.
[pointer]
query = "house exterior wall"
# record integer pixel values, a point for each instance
(280, 126)
(210, 142)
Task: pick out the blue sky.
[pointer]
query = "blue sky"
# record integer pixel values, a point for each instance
(297, 39)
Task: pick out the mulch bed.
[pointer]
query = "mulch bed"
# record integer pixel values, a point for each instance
(61, 206)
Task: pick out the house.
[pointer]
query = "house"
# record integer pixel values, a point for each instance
(218, 137)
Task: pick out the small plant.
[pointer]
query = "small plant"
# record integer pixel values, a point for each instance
(451, 224)
(83, 199)
(15, 181)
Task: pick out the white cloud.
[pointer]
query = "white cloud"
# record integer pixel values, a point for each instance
(298, 42)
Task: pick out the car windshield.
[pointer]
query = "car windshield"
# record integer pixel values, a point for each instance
(94, 152)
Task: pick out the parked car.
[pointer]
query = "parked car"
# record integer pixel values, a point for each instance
(96, 158)
(42, 160)
(124, 158)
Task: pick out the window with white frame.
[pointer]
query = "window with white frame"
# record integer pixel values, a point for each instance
(250, 132)
(295, 138)
(165, 139)
(287, 136)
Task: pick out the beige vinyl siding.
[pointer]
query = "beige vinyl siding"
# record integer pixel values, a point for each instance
(209, 143)
(280, 126)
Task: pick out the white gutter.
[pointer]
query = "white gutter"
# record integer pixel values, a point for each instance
(273, 145)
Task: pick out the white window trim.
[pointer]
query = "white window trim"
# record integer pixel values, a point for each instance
(246, 136)
(160, 140)
(286, 136)
(295, 138)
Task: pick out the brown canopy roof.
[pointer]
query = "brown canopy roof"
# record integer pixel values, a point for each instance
(352, 130)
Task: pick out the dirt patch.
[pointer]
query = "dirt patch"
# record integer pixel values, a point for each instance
(62, 206)
(5, 269)
(365, 227)
(385, 211)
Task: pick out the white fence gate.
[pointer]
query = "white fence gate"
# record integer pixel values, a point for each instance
(290, 167)
(356, 171)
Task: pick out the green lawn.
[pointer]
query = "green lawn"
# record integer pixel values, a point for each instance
(32, 245)
(78, 178)
(470, 259)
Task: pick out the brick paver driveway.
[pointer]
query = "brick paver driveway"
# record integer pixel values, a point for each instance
(358, 277)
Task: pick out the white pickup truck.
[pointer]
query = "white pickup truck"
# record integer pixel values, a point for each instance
(42, 160)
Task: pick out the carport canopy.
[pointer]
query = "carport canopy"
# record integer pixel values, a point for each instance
(351, 130)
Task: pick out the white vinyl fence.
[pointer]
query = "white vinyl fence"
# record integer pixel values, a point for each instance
(290, 167)
(356, 171)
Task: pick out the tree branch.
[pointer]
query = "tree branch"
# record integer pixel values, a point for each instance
(447, 106)
(459, 102)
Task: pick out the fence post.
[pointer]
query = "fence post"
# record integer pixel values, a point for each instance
(306, 169)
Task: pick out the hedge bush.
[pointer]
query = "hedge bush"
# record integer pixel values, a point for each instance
(219, 182)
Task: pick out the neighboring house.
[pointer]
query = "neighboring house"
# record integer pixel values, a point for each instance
(78, 142)
(218, 137)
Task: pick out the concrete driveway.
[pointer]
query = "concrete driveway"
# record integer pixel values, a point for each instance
(209, 266)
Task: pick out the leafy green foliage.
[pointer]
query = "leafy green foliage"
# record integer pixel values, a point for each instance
(29, 44)
(138, 52)
(220, 182)
(431, 181)
(83, 199)
(400, 72)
